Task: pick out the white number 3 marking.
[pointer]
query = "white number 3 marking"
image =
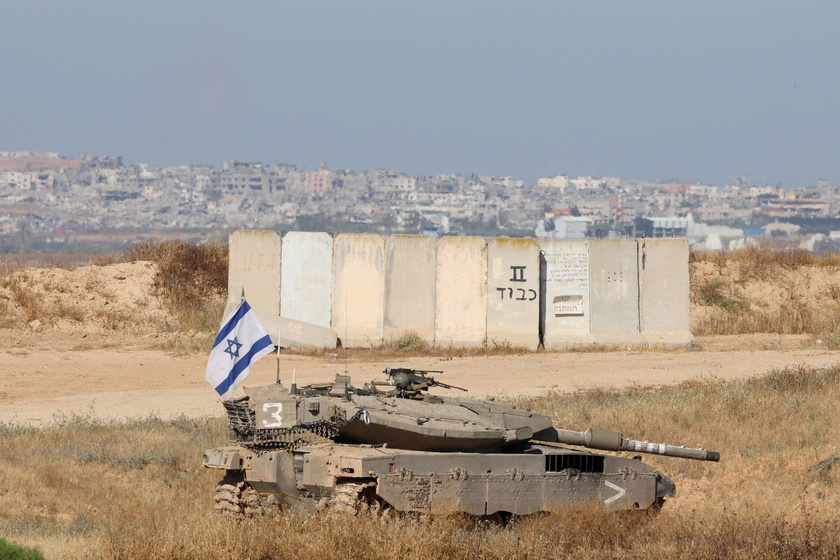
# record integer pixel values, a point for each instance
(275, 415)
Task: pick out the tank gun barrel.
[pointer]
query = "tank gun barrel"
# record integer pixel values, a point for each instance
(607, 440)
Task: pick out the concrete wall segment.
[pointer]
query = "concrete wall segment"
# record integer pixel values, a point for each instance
(359, 289)
(410, 286)
(254, 266)
(307, 277)
(614, 289)
(513, 288)
(461, 291)
(566, 297)
(664, 291)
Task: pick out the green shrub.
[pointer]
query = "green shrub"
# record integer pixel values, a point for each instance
(13, 552)
(713, 292)
(190, 276)
(410, 341)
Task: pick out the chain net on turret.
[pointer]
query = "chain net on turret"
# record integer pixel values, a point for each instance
(243, 430)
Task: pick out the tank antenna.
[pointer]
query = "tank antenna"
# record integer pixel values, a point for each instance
(278, 363)
(346, 334)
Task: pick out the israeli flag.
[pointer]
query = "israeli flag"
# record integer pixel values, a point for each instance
(241, 341)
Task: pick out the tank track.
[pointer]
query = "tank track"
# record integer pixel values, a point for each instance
(234, 497)
(228, 498)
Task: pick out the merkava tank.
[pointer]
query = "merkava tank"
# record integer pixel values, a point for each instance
(392, 444)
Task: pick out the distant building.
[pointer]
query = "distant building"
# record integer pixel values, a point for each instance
(104, 162)
(557, 182)
(563, 227)
(793, 205)
(663, 227)
(318, 181)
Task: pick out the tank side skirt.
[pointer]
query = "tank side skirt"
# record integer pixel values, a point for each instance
(515, 492)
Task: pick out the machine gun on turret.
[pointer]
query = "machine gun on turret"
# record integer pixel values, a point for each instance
(412, 383)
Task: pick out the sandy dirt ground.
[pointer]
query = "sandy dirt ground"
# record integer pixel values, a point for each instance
(49, 376)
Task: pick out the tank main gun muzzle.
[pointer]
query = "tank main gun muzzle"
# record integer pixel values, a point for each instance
(607, 440)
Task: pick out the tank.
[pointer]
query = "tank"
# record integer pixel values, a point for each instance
(392, 445)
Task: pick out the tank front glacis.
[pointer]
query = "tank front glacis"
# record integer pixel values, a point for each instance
(333, 445)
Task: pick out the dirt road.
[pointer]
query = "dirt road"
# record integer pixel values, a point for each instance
(47, 376)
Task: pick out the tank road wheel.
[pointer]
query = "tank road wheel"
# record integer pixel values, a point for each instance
(240, 500)
(498, 519)
(229, 494)
(252, 503)
(351, 498)
(656, 507)
(235, 497)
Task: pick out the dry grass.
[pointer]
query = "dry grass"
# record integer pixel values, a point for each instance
(86, 489)
(412, 344)
(764, 290)
(391, 351)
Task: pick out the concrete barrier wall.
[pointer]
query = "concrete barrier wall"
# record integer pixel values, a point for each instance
(614, 288)
(410, 286)
(461, 291)
(254, 266)
(513, 289)
(306, 280)
(566, 309)
(664, 291)
(359, 289)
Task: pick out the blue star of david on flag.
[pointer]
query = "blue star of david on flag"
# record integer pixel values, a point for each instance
(233, 348)
(241, 341)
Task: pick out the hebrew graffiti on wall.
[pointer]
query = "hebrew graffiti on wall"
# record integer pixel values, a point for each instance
(258, 262)
(567, 266)
(518, 294)
(567, 305)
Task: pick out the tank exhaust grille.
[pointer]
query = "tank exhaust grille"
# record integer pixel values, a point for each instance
(584, 463)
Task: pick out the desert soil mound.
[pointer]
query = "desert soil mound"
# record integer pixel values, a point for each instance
(86, 299)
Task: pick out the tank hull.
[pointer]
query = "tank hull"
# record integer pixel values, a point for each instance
(534, 479)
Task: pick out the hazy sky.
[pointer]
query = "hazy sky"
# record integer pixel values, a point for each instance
(700, 91)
